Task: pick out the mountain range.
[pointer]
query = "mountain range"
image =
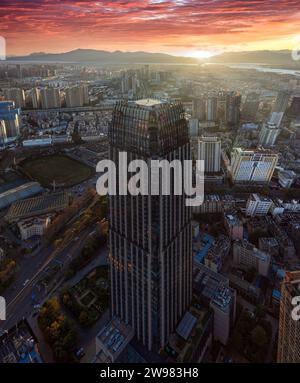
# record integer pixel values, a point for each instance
(275, 58)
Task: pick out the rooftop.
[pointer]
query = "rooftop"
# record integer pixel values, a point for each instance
(19, 345)
(150, 102)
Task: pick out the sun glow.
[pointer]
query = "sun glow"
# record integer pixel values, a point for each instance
(199, 54)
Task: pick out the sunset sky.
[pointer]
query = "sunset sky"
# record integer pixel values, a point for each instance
(182, 27)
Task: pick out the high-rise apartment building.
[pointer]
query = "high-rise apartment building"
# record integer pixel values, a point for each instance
(233, 108)
(252, 165)
(35, 98)
(211, 108)
(279, 108)
(289, 329)
(50, 98)
(11, 117)
(76, 96)
(250, 107)
(150, 235)
(268, 134)
(209, 150)
(16, 95)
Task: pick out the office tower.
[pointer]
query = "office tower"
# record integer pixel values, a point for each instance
(258, 205)
(233, 104)
(150, 236)
(3, 136)
(35, 98)
(246, 254)
(50, 98)
(252, 165)
(294, 110)
(15, 94)
(268, 134)
(250, 107)
(211, 108)
(11, 116)
(221, 106)
(209, 150)
(279, 108)
(289, 329)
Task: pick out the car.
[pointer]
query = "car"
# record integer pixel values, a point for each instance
(37, 306)
(26, 282)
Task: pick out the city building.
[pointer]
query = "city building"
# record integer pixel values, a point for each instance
(31, 227)
(233, 225)
(50, 98)
(35, 95)
(17, 193)
(268, 134)
(252, 165)
(40, 205)
(286, 178)
(279, 108)
(250, 107)
(11, 117)
(213, 291)
(258, 205)
(217, 253)
(294, 110)
(16, 95)
(209, 151)
(269, 245)
(289, 329)
(150, 236)
(233, 108)
(76, 96)
(246, 254)
(3, 135)
(19, 345)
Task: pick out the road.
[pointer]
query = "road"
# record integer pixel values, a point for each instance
(19, 296)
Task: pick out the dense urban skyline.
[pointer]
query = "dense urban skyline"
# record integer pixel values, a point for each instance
(181, 27)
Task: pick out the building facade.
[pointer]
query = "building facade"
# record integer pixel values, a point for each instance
(289, 329)
(252, 166)
(150, 236)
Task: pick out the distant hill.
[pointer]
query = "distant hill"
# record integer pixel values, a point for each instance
(99, 56)
(280, 58)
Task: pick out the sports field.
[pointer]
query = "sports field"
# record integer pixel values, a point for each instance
(64, 170)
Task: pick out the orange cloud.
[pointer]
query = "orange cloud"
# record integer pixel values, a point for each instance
(173, 26)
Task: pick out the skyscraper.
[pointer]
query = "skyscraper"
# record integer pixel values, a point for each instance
(150, 236)
(209, 150)
(279, 108)
(289, 329)
(268, 134)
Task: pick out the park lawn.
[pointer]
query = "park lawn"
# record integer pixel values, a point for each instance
(64, 170)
